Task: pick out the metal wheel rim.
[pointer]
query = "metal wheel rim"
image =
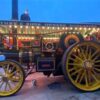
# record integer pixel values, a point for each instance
(11, 78)
(84, 76)
(71, 36)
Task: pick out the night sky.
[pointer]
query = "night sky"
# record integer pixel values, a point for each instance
(64, 11)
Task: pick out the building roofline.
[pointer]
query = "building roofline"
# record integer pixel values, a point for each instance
(5, 22)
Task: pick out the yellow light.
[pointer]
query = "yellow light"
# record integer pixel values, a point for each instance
(91, 33)
(26, 26)
(10, 37)
(15, 26)
(98, 29)
(25, 37)
(76, 28)
(44, 38)
(66, 28)
(37, 27)
(71, 28)
(89, 28)
(94, 28)
(48, 27)
(60, 33)
(53, 28)
(32, 37)
(43, 27)
(85, 36)
(32, 27)
(21, 26)
(10, 26)
(63, 28)
(85, 28)
(19, 37)
(58, 28)
(80, 28)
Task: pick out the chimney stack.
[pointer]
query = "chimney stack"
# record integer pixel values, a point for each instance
(14, 9)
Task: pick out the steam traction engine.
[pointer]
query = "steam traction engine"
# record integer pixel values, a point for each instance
(72, 50)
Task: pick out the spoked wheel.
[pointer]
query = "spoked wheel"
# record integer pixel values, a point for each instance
(82, 65)
(11, 77)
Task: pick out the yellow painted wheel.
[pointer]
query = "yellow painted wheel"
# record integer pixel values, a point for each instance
(82, 65)
(11, 77)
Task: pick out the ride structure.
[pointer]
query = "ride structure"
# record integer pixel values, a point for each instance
(72, 50)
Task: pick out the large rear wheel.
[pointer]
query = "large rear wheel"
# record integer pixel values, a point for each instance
(11, 77)
(82, 65)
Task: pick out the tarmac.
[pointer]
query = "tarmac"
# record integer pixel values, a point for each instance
(39, 87)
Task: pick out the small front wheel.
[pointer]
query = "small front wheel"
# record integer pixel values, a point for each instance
(11, 77)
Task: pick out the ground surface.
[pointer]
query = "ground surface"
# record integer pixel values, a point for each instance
(53, 88)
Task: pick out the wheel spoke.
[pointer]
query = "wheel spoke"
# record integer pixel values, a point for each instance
(71, 58)
(77, 57)
(83, 53)
(78, 53)
(78, 76)
(94, 59)
(8, 66)
(4, 67)
(14, 79)
(94, 53)
(97, 69)
(14, 83)
(76, 71)
(9, 86)
(13, 68)
(76, 64)
(89, 76)
(71, 69)
(1, 84)
(94, 76)
(86, 79)
(90, 53)
(14, 72)
(5, 86)
(82, 76)
(97, 61)
(1, 75)
(96, 65)
(86, 52)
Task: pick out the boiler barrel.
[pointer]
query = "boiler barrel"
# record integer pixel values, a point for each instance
(22, 57)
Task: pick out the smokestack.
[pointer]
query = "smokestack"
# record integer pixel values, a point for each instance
(14, 9)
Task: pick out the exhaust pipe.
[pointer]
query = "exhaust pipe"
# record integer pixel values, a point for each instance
(14, 9)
